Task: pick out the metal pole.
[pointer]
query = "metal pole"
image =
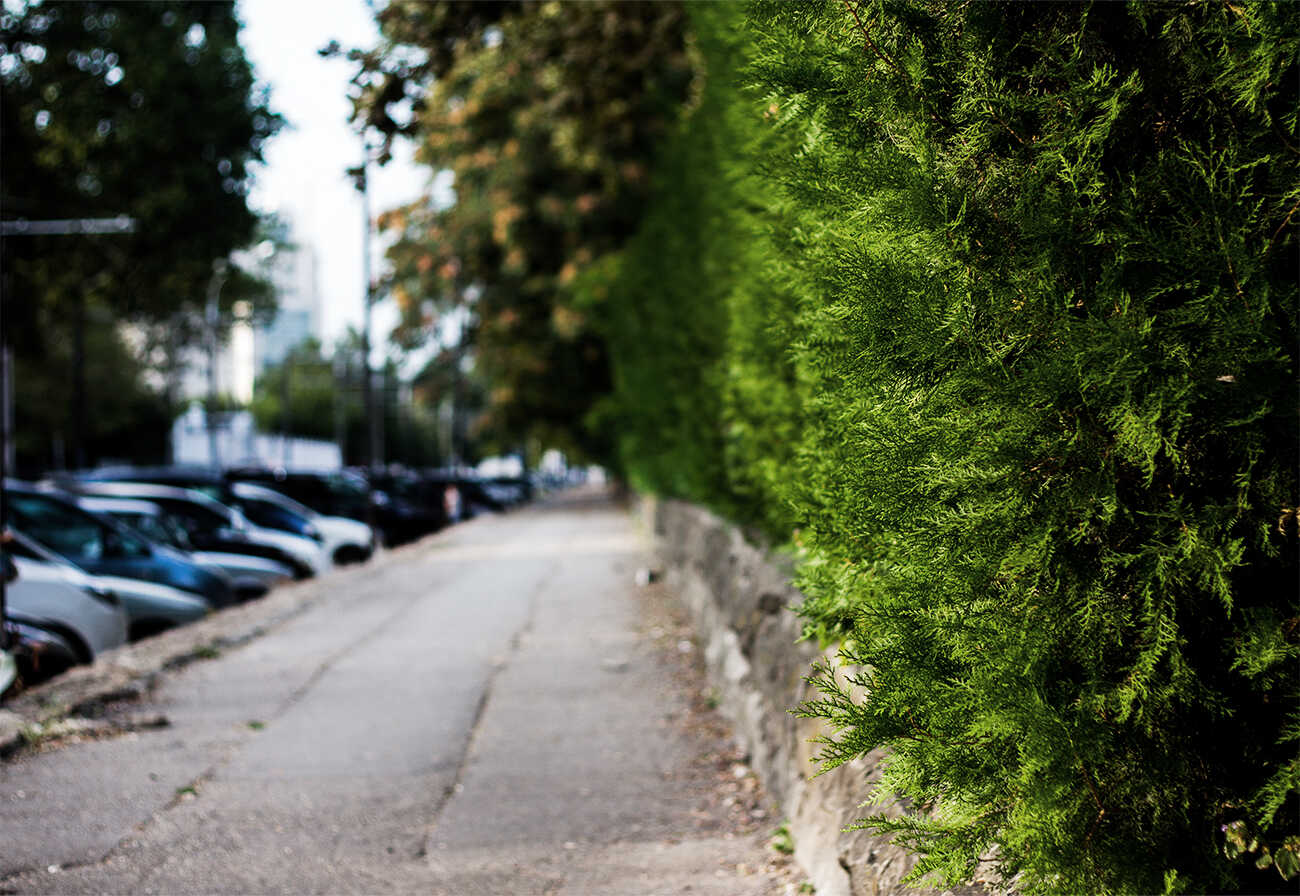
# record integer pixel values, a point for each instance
(340, 384)
(212, 316)
(457, 442)
(66, 226)
(6, 435)
(77, 429)
(173, 387)
(22, 227)
(386, 397)
(285, 390)
(7, 411)
(367, 386)
(374, 458)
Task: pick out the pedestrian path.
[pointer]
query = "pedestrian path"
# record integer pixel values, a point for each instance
(489, 711)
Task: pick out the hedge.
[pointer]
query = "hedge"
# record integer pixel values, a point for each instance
(990, 310)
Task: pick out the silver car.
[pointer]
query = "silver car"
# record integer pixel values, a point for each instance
(150, 608)
(91, 621)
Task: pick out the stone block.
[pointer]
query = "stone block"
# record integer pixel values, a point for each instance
(740, 601)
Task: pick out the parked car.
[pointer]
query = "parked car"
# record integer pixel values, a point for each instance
(407, 507)
(150, 608)
(88, 620)
(338, 493)
(213, 526)
(199, 479)
(267, 509)
(397, 516)
(343, 539)
(210, 483)
(250, 576)
(36, 655)
(103, 546)
(9, 671)
(509, 491)
(472, 497)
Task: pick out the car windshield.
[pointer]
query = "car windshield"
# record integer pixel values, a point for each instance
(205, 488)
(161, 529)
(68, 531)
(58, 527)
(21, 546)
(273, 516)
(256, 495)
(347, 486)
(192, 516)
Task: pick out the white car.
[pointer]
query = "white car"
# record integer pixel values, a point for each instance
(344, 540)
(91, 621)
(8, 670)
(150, 607)
(305, 550)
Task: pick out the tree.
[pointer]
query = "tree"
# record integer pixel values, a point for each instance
(450, 389)
(99, 103)
(301, 395)
(128, 419)
(308, 395)
(548, 114)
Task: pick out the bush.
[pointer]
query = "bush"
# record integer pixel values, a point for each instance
(996, 305)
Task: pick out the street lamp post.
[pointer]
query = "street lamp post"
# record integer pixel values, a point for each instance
(342, 382)
(286, 397)
(212, 317)
(374, 455)
(373, 458)
(23, 227)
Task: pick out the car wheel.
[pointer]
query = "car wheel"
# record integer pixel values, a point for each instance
(147, 628)
(349, 553)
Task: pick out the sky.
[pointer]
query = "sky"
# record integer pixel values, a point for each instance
(305, 163)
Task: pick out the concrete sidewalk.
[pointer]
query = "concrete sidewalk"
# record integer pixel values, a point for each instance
(498, 709)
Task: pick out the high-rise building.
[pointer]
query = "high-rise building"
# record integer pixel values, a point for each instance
(292, 271)
(250, 348)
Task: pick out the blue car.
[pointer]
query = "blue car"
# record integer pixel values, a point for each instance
(103, 546)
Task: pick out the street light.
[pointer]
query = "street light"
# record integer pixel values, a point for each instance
(373, 459)
(24, 227)
(67, 226)
(212, 317)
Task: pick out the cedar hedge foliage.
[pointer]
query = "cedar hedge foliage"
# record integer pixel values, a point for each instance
(992, 308)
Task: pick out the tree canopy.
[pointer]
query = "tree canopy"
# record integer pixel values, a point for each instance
(147, 110)
(311, 395)
(142, 109)
(548, 115)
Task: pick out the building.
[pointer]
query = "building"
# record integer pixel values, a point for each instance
(251, 347)
(293, 272)
(238, 443)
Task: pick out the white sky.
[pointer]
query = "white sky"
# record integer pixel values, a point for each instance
(304, 175)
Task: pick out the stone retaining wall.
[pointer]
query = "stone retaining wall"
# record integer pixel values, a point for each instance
(739, 598)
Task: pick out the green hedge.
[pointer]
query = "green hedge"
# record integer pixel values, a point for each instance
(991, 308)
